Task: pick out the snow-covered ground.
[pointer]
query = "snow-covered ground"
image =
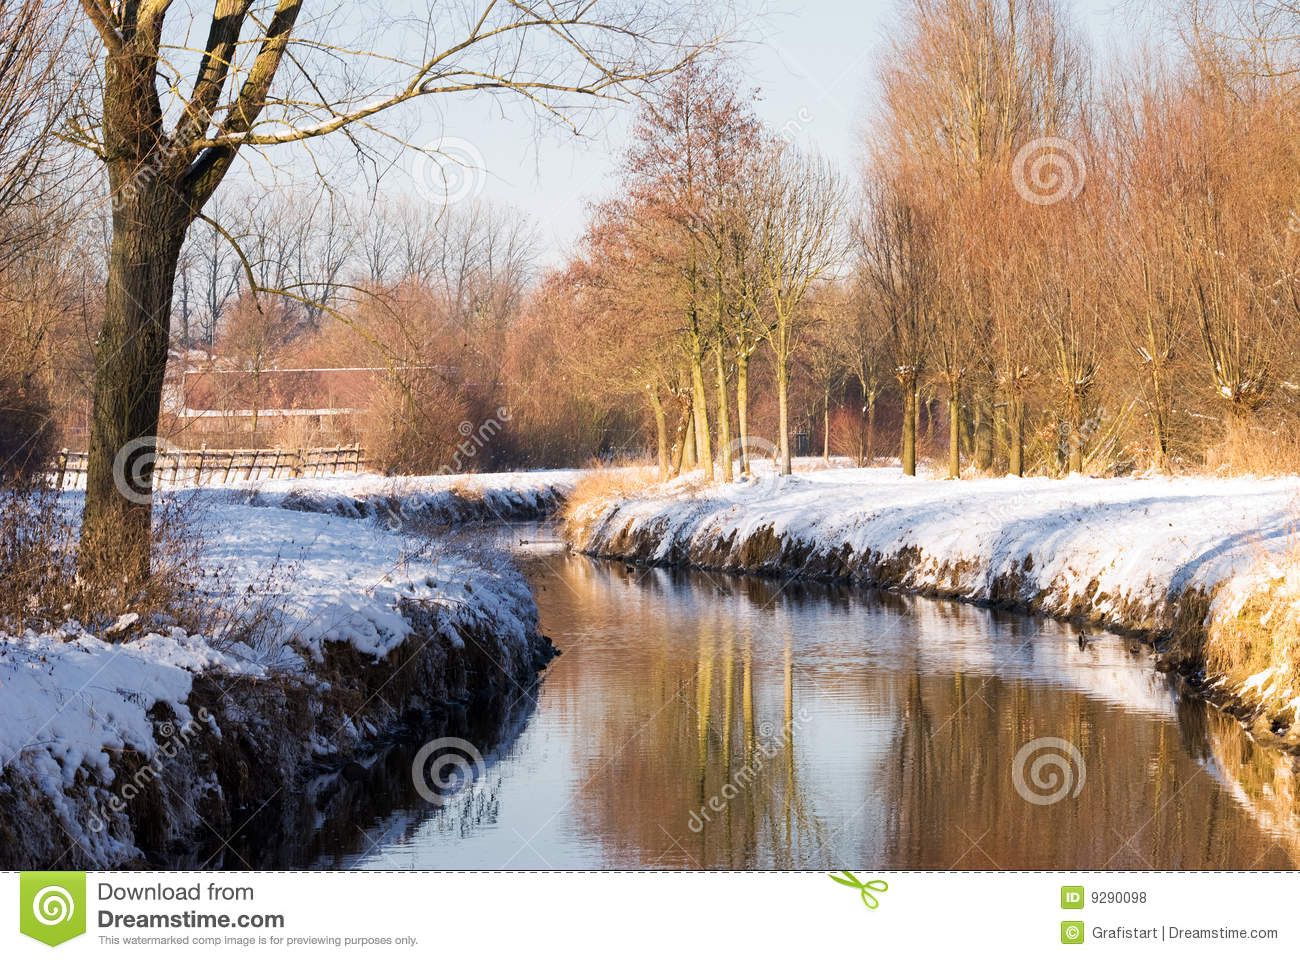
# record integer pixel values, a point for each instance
(70, 702)
(1123, 552)
(438, 499)
(1107, 542)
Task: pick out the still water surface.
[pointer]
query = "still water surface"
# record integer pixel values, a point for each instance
(709, 721)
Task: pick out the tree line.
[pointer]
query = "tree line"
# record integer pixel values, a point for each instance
(1063, 265)
(1043, 262)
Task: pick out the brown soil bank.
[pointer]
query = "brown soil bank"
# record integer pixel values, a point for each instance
(1237, 652)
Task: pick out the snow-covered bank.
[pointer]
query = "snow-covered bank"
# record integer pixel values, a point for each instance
(1148, 555)
(436, 500)
(159, 749)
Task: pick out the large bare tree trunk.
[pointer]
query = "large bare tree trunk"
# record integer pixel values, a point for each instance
(689, 458)
(130, 362)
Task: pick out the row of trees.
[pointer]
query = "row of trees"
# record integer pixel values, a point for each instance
(719, 245)
(1066, 267)
(1083, 269)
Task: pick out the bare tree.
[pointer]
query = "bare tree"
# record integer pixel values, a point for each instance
(264, 80)
(896, 258)
(801, 241)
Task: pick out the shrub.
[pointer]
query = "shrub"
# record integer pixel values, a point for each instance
(40, 588)
(27, 433)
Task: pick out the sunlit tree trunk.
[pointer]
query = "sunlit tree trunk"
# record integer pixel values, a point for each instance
(909, 428)
(742, 407)
(661, 432)
(954, 433)
(704, 454)
(783, 412)
(871, 427)
(724, 411)
(826, 425)
(1016, 436)
(983, 429)
(689, 457)
(683, 437)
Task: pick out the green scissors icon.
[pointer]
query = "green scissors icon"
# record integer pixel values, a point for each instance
(868, 897)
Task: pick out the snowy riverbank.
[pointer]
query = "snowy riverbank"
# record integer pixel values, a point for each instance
(435, 500)
(160, 748)
(1165, 558)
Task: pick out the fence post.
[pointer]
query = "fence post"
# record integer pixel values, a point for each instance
(198, 474)
(275, 465)
(175, 460)
(63, 467)
(298, 465)
(230, 463)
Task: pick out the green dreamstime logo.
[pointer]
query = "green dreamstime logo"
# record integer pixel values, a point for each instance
(869, 889)
(52, 906)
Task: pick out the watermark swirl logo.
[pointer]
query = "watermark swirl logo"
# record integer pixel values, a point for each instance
(53, 905)
(444, 767)
(450, 171)
(1047, 770)
(133, 467)
(1048, 170)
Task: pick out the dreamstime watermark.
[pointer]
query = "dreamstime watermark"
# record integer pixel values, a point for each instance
(1048, 170)
(744, 778)
(796, 125)
(475, 440)
(1083, 435)
(174, 739)
(445, 767)
(147, 173)
(450, 171)
(1047, 770)
(52, 905)
(133, 467)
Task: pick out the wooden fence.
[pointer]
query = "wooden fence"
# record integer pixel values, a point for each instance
(196, 467)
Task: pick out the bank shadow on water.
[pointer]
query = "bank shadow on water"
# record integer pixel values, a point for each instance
(698, 721)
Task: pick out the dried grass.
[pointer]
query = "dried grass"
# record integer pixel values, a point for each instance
(601, 486)
(1253, 637)
(1265, 447)
(40, 588)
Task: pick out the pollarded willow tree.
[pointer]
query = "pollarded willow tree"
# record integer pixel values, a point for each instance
(171, 119)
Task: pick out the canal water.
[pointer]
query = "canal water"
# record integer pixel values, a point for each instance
(707, 721)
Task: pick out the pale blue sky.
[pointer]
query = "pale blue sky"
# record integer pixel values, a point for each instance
(813, 62)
